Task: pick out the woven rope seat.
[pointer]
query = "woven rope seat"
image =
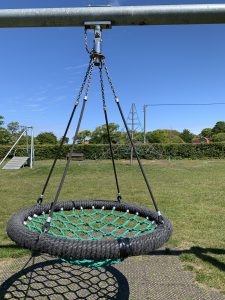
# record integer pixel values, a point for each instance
(97, 230)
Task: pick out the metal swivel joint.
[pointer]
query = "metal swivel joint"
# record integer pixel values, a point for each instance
(96, 52)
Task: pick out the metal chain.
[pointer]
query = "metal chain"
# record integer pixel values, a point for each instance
(40, 199)
(160, 218)
(109, 79)
(47, 224)
(86, 41)
(108, 132)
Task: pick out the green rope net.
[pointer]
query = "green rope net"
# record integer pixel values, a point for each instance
(93, 224)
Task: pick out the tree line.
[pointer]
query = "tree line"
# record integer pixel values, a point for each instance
(10, 132)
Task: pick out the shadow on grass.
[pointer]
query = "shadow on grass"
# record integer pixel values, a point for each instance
(54, 279)
(9, 246)
(12, 251)
(199, 252)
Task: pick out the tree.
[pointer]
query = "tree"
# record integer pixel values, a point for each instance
(5, 137)
(156, 136)
(13, 128)
(164, 136)
(83, 136)
(206, 132)
(46, 138)
(24, 139)
(66, 140)
(123, 137)
(100, 135)
(1, 121)
(139, 137)
(219, 137)
(186, 136)
(219, 127)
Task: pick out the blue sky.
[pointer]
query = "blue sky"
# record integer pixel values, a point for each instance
(41, 70)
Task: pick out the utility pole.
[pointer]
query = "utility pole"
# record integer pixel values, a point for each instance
(145, 109)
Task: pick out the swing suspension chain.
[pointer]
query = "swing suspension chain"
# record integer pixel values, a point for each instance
(160, 218)
(47, 224)
(40, 199)
(108, 133)
(87, 78)
(86, 41)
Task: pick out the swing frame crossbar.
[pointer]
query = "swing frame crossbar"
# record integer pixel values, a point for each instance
(118, 16)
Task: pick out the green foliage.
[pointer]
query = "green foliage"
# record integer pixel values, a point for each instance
(186, 136)
(24, 139)
(1, 121)
(122, 151)
(219, 127)
(219, 137)
(156, 136)
(139, 137)
(13, 128)
(5, 136)
(164, 136)
(206, 132)
(100, 135)
(83, 136)
(46, 138)
(66, 140)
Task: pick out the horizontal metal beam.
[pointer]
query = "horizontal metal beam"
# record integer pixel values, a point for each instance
(119, 16)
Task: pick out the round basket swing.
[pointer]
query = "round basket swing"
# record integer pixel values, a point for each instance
(92, 233)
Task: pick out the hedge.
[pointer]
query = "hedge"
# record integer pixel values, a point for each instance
(146, 151)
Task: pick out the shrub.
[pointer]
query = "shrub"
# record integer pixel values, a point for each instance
(219, 137)
(122, 151)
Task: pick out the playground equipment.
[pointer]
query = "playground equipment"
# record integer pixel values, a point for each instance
(118, 16)
(97, 232)
(18, 162)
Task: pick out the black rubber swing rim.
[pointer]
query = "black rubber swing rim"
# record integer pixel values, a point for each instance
(87, 249)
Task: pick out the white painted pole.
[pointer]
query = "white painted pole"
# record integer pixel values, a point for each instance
(32, 148)
(16, 142)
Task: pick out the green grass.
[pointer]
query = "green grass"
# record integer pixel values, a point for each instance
(190, 193)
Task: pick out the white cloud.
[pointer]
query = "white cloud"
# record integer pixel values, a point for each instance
(32, 105)
(59, 87)
(75, 67)
(40, 109)
(36, 99)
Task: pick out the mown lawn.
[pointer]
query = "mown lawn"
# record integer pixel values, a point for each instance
(190, 193)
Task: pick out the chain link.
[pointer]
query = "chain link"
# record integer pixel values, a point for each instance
(47, 224)
(109, 79)
(90, 67)
(108, 132)
(102, 86)
(160, 218)
(89, 78)
(86, 41)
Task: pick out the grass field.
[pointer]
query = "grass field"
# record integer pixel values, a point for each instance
(190, 193)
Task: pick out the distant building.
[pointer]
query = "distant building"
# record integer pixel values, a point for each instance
(86, 142)
(201, 140)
